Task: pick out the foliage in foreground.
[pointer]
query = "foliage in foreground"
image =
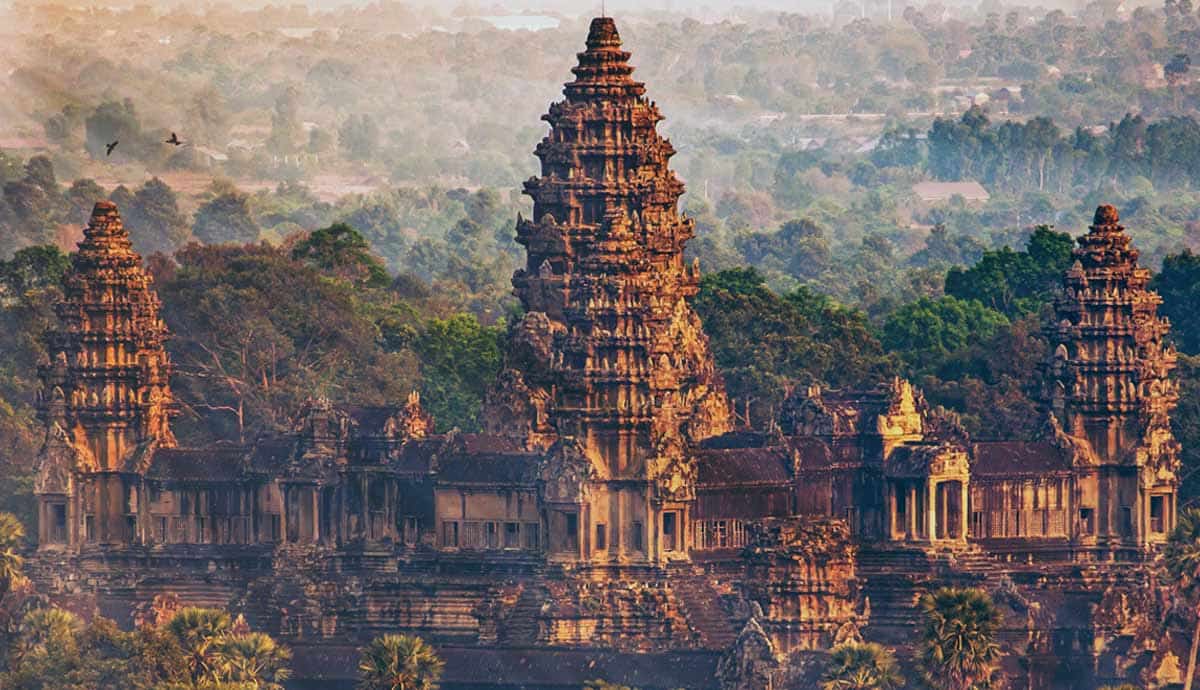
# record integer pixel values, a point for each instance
(399, 662)
(189, 649)
(958, 649)
(862, 666)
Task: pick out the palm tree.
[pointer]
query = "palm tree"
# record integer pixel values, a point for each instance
(253, 660)
(1182, 561)
(12, 534)
(198, 630)
(958, 650)
(861, 666)
(44, 629)
(399, 662)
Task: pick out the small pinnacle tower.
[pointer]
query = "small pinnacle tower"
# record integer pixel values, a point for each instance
(105, 397)
(1109, 381)
(610, 355)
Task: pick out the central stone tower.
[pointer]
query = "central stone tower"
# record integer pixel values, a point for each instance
(609, 369)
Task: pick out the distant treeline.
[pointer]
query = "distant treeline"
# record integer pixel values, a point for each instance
(1038, 154)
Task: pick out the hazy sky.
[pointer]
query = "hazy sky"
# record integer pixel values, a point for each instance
(567, 6)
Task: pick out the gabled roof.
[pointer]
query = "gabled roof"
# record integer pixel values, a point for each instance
(489, 468)
(215, 464)
(1008, 458)
(271, 455)
(417, 456)
(739, 439)
(812, 453)
(371, 420)
(723, 467)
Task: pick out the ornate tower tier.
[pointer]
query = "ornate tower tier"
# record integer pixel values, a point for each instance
(610, 356)
(1111, 370)
(106, 384)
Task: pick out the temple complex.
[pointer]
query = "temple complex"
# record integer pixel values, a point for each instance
(611, 520)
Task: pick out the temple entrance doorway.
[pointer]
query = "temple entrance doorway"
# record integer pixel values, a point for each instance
(670, 530)
(949, 510)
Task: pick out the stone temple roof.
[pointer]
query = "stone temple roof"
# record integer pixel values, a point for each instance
(742, 466)
(216, 463)
(1008, 458)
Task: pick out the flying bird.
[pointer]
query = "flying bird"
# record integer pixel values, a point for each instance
(174, 140)
(110, 148)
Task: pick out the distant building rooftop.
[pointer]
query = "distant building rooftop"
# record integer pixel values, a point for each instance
(933, 192)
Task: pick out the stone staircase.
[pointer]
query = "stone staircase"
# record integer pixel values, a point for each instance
(972, 567)
(893, 593)
(701, 606)
(522, 627)
(191, 592)
(895, 579)
(447, 612)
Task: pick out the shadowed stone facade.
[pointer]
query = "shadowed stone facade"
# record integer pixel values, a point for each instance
(610, 521)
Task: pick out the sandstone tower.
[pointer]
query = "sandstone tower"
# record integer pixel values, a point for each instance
(1110, 387)
(610, 361)
(105, 393)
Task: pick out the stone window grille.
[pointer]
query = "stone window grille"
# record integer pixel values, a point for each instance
(720, 534)
(472, 535)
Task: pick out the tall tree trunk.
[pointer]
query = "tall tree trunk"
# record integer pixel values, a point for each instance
(1191, 669)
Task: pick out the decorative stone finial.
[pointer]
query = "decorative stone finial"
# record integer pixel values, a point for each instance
(1106, 214)
(603, 34)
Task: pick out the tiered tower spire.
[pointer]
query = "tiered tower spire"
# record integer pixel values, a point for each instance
(609, 372)
(1111, 372)
(106, 384)
(1111, 394)
(605, 265)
